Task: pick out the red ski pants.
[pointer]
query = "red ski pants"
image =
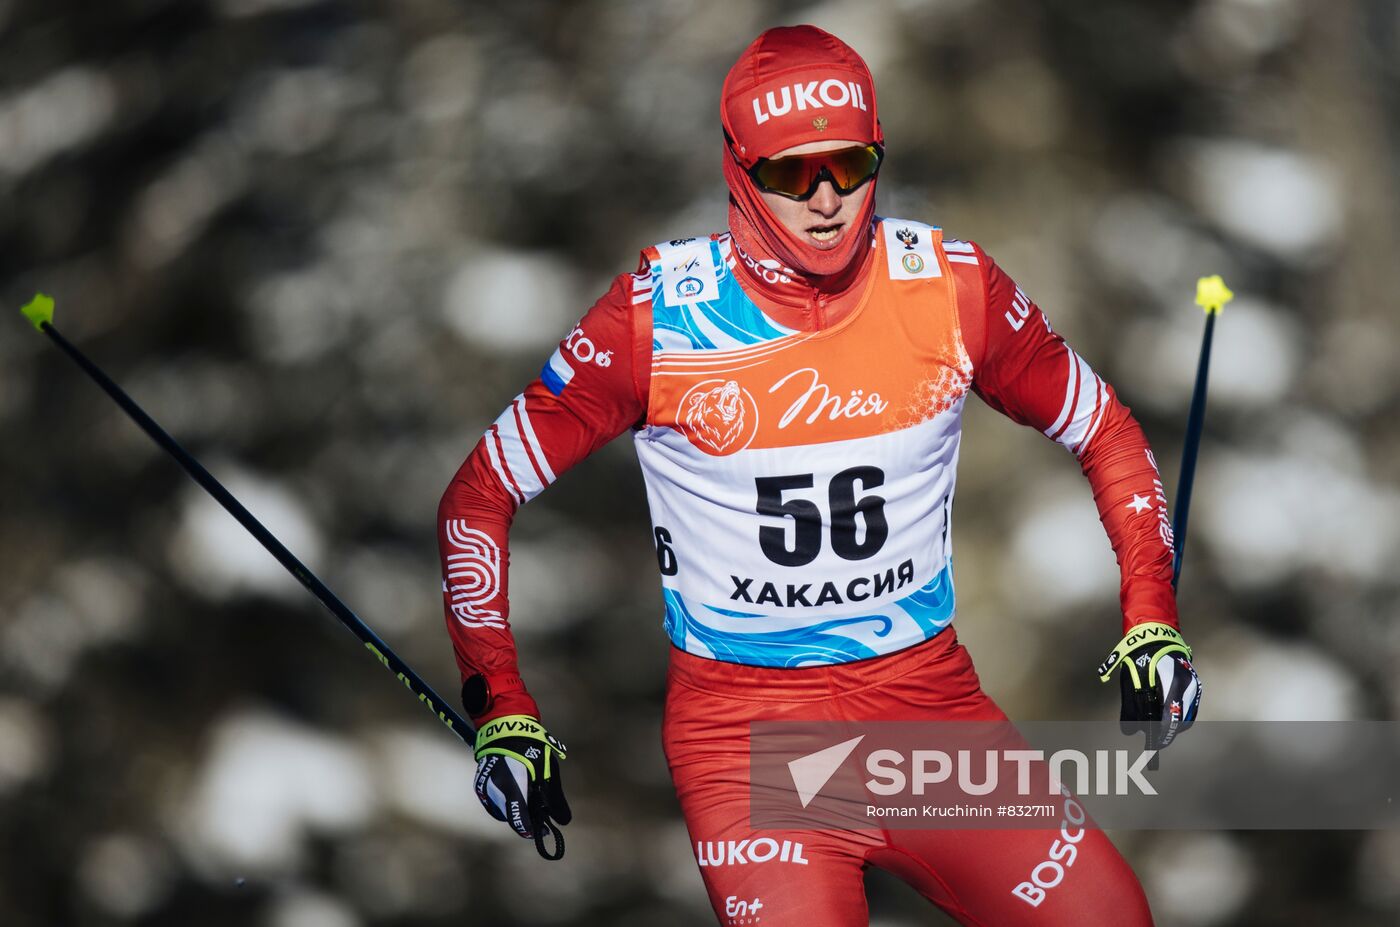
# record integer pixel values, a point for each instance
(813, 878)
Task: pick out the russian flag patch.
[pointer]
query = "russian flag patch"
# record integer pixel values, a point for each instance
(556, 372)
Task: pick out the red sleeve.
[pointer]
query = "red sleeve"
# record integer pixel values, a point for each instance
(1024, 370)
(590, 390)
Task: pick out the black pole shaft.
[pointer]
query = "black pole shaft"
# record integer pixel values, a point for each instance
(1195, 423)
(411, 680)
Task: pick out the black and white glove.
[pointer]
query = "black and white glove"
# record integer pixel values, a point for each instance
(1161, 691)
(517, 778)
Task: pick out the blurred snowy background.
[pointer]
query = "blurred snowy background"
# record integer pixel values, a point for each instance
(324, 243)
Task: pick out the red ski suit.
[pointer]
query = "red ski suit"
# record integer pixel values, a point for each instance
(1020, 367)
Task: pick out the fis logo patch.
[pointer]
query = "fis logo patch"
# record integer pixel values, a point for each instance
(689, 273)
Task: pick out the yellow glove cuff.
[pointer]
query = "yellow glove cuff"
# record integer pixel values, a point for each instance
(1137, 638)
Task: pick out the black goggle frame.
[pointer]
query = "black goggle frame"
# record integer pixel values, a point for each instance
(824, 174)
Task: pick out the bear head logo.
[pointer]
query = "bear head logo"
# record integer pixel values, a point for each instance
(719, 417)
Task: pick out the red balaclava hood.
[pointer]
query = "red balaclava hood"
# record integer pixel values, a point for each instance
(794, 85)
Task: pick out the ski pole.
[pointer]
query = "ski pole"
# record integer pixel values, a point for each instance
(1211, 296)
(39, 311)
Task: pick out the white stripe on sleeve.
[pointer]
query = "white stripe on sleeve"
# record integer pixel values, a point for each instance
(1098, 419)
(501, 473)
(517, 459)
(1071, 381)
(528, 431)
(1091, 396)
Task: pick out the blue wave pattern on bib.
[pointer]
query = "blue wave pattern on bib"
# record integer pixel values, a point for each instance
(732, 321)
(819, 643)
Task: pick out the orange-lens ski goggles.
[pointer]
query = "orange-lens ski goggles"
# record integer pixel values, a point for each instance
(798, 176)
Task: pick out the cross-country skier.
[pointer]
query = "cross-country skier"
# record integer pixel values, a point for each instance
(794, 388)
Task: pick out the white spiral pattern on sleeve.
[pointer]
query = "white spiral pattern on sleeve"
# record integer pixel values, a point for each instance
(473, 575)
